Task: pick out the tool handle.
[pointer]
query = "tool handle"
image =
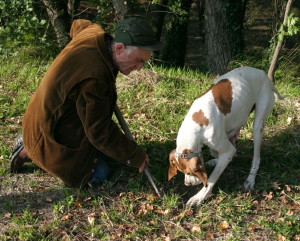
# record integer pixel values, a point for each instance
(123, 123)
(129, 135)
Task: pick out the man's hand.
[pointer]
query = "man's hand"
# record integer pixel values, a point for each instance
(143, 165)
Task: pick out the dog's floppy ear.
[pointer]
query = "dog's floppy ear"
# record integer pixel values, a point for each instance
(201, 172)
(172, 168)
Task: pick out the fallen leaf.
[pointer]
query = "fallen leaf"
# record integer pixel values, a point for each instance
(7, 215)
(281, 237)
(283, 200)
(223, 225)
(189, 212)
(149, 207)
(252, 228)
(66, 217)
(78, 203)
(167, 211)
(159, 211)
(270, 196)
(91, 220)
(289, 120)
(287, 188)
(196, 228)
(151, 223)
(255, 202)
(297, 237)
(150, 197)
(116, 235)
(290, 213)
(209, 236)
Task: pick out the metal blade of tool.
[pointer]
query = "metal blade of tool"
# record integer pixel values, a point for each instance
(129, 135)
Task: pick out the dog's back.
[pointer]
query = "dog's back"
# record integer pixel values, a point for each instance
(248, 86)
(230, 99)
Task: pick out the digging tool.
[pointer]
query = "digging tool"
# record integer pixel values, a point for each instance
(129, 135)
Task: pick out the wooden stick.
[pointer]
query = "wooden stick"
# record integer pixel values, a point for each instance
(129, 135)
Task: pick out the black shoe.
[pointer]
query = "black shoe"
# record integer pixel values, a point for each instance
(18, 147)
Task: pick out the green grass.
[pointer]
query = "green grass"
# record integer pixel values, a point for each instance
(36, 206)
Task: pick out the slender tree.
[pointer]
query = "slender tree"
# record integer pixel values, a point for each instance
(274, 61)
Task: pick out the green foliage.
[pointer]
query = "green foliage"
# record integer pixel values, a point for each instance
(292, 27)
(105, 14)
(20, 26)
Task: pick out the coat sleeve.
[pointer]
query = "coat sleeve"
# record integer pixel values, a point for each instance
(93, 107)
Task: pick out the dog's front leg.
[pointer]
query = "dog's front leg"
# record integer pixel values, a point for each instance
(223, 160)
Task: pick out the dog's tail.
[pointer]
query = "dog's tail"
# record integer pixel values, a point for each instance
(278, 96)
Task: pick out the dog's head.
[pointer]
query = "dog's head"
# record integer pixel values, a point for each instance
(191, 166)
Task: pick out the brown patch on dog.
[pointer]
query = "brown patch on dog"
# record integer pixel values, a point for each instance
(178, 165)
(194, 166)
(222, 92)
(200, 118)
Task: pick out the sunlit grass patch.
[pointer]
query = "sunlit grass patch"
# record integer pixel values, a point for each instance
(35, 206)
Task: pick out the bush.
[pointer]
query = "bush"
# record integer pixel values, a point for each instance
(20, 25)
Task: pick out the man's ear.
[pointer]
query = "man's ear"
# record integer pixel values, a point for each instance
(119, 48)
(172, 168)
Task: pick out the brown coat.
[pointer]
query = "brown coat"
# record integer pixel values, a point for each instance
(68, 120)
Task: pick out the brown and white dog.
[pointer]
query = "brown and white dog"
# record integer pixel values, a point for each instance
(215, 119)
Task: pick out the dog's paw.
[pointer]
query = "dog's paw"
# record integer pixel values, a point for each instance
(190, 180)
(193, 201)
(212, 162)
(249, 183)
(199, 197)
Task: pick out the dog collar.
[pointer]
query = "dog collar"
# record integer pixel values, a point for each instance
(187, 155)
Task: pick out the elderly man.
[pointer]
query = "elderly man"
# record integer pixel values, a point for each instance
(68, 128)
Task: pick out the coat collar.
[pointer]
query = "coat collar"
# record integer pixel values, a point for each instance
(104, 48)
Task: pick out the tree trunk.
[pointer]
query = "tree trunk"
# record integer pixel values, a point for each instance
(58, 22)
(216, 39)
(72, 6)
(274, 61)
(157, 18)
(175, 40)
(201, 7)
(160, 10)
(235, 16)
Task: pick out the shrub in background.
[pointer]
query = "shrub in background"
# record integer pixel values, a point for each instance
(21, 26)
